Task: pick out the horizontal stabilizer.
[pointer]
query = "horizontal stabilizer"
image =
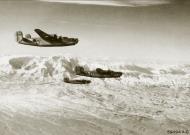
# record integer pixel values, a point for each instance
(27, 40)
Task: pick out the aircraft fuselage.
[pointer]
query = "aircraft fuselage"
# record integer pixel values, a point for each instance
(45, 40)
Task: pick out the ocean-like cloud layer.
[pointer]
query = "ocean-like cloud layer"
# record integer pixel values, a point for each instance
(127, 3)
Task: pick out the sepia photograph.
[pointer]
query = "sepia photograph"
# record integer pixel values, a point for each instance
(94, 67)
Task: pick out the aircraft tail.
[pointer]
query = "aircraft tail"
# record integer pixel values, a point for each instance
(19, 36)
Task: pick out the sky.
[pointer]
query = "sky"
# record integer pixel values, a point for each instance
(123, 29)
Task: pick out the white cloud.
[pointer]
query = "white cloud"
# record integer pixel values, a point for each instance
(148, 2)
(127, 3)
(87, 2)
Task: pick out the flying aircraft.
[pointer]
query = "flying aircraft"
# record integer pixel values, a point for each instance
(83, 81)
(45, 40)
(98, 73)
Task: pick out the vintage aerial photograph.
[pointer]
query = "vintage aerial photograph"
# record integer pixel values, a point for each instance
(94, 67)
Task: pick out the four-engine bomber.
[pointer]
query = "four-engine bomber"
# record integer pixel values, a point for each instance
(45, 40)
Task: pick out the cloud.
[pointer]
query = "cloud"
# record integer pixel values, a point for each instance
(147, 2)
(120, 3)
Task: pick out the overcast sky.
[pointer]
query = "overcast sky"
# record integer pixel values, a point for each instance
(128, 29)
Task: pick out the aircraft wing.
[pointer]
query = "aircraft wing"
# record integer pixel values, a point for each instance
(47, 37)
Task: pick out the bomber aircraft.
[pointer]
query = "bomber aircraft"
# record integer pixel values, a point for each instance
(45, 40)
(98, 73)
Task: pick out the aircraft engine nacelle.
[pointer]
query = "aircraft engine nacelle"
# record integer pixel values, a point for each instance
(19, 36)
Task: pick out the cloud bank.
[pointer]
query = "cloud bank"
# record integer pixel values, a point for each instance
(120, 3)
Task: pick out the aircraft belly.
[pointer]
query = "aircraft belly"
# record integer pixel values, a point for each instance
(97, 75)
(42, 42)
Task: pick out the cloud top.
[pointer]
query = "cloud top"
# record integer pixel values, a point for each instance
(120, 3)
